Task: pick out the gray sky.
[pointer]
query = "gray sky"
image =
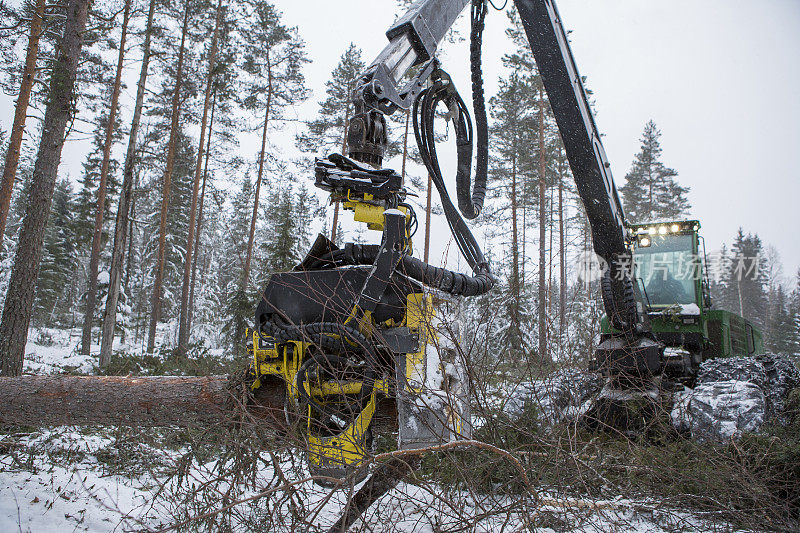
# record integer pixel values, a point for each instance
(720, 78)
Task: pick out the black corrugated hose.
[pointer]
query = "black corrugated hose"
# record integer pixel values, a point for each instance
(472, 209)
(424, 113)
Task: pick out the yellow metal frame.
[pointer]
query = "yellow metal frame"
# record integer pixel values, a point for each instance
(346, 449)
(419, 314)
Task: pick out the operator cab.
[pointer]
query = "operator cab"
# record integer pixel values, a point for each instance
(669, 271)
(668, 266)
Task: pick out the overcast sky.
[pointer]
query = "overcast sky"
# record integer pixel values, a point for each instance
(720, 78)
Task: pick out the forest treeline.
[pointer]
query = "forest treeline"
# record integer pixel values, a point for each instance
(167, 236)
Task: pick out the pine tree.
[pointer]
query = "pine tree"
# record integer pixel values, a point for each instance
(274, 57)
(19, 299)
(175, 108)
(223, 128)
(12, 152)
(102, 207)
(183, 320)
(651, 191)
(512, 129)
(328, 131)
(121, 224)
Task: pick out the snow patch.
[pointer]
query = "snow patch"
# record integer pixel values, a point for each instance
(690, 309)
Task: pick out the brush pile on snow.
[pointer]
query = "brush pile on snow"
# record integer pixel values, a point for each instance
(782, 376)
(735, 395)
(559, 397)
(719, 410)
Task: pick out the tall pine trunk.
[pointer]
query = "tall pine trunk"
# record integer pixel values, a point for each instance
(542, 236)
(155, 311)
(94, 260)
(562, 256)
(428, 219)
(245, 279)
(18, 305)
(515, 285)
(183, 322)
(125, 204)
(261, 156)
(20, 114)
(335, 226)
(199, 230)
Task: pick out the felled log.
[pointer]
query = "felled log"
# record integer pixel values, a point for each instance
(147, 401)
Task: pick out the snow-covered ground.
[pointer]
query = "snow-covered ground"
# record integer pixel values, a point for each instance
(98, 480)
(56, 351)
(60, 480)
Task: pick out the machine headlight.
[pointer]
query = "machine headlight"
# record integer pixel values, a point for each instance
(651, 231)
(644, 242)
(662, 230)
(675, 228)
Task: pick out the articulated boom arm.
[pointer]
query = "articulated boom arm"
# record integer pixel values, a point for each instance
(585, 152)
(413, 41)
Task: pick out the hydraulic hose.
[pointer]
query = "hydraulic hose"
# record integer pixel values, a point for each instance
(471, 209)
(443, 279)
(424, 114)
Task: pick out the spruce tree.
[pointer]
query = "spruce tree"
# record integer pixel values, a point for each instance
(651, 191)
(781, 335)
(239, 306)
(745, 279)
(794, 314)
(59, 261)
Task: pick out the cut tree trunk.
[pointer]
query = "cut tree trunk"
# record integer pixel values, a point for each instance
(94, 261)
(18, 304)
(183, 322)
(124, 208)
(155, 311)
(148, 401)
(20, 114)
(112, 400)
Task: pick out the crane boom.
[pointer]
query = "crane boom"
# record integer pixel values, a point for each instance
(579, 133)
(413, 40)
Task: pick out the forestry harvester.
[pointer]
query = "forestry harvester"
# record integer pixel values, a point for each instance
(351, 326)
